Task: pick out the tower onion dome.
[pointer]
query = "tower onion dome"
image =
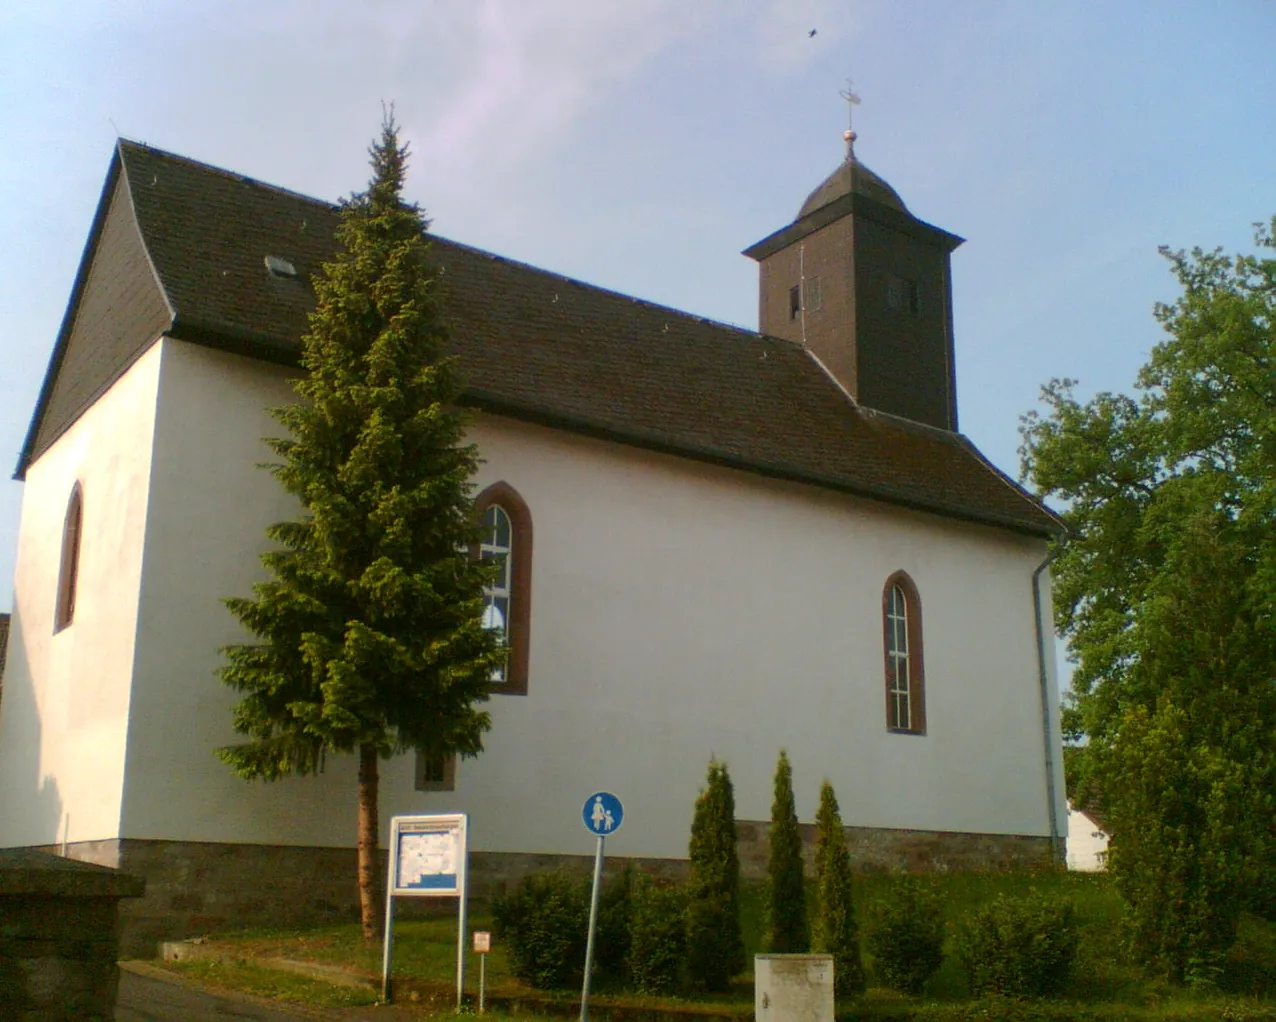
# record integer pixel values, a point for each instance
(852, 177)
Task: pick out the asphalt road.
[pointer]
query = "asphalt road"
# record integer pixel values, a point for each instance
(143, 999)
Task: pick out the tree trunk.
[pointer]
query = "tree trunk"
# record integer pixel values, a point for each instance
(370, 906)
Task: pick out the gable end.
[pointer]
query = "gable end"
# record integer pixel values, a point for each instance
(116, 311)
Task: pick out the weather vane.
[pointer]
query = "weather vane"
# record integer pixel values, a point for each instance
(852, 101)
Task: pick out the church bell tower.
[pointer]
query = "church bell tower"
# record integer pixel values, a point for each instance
(866, 287)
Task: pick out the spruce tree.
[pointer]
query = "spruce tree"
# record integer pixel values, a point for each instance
(787, 931)
(369, 633)
(836, 932)
(715, 948)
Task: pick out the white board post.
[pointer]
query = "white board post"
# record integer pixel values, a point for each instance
(428, 859)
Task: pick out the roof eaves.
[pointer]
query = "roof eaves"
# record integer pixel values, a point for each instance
(1057, 525)
(542, 416)
(860, 205)
(265, 347)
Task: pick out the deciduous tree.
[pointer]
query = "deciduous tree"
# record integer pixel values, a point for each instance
(368, 630)
(1165, 587)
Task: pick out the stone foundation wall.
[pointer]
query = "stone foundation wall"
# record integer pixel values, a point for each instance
(59, 927)
(195, 888)
(881, 849)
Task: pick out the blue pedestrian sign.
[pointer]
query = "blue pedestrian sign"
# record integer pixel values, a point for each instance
(603, 814)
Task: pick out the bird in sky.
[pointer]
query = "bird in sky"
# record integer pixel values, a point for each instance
(811, 34)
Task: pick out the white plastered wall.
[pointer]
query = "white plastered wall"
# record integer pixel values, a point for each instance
(678, 611)
(66, 695)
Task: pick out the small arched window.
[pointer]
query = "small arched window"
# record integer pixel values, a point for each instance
(506, 535)
(902, 643)
(69, 572)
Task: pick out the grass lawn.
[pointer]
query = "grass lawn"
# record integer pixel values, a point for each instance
(1105, 984)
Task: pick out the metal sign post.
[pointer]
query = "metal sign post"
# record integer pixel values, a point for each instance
(427, 860)
(482, 944)
(602, 814)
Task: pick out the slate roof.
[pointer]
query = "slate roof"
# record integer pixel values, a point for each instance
(544, 348)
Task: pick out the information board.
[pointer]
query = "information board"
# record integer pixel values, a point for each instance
(428, 855)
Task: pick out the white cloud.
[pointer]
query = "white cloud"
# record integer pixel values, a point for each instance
(529, 72)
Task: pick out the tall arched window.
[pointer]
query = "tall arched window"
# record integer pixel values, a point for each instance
(902, 644)
(507, 535)
(68, 574)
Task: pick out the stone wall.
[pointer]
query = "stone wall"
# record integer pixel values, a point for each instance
(195, 888)
(881, 849)
(59, 929)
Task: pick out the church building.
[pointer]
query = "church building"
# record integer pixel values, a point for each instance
(716, 543)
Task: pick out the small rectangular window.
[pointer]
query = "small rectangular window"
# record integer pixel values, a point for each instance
(435, 772)
(795, 301)
(903, 295)
(814, 294)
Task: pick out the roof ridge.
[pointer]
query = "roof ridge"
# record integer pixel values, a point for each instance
(682, 314)
(601, 289)
(125, 143)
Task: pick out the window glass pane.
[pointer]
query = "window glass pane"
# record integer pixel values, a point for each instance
(502, 538)
(488, 521)
(494, 614)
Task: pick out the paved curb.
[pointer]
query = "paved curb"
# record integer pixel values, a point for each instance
(197, 950)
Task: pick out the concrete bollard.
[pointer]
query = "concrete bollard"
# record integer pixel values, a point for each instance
(793, 988)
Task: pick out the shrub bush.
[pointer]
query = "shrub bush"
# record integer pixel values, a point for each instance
(906, 937)
(657, 937)
(715, 948)
(543, 924)
(1019, 947)
(611, 943)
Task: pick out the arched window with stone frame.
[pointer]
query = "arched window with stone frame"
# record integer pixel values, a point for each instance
(506, 534)
(902, 646)
(69, 568)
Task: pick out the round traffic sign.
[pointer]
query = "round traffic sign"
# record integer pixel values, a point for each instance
(603, 814)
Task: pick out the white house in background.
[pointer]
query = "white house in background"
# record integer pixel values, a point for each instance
(1087, 841)
(719, 543)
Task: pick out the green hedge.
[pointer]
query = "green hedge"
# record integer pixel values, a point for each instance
(1019, 947)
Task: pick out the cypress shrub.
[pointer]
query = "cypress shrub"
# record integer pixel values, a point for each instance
(836, 931)
(906, 937)
(1019, 947)
(787, 931)
(657, 937)
(715, 948)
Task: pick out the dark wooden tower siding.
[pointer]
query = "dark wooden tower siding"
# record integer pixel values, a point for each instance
(866, 287)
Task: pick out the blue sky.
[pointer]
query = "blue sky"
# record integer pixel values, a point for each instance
(642, 144)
